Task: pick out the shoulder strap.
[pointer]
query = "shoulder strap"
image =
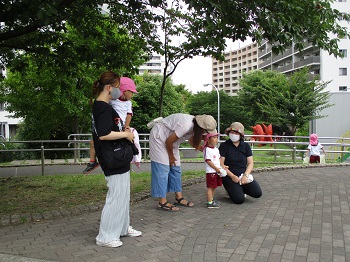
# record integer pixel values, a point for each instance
(118, 123)
(93, 125)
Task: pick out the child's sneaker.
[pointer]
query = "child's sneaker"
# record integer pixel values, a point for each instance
(213, 205)
(216, 201)
(90, 167)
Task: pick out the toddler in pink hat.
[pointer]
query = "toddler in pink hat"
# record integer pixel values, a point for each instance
(314, 149)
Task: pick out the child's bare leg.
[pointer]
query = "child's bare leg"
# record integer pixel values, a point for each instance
(92, 152)
(210, 194)
(93, 163)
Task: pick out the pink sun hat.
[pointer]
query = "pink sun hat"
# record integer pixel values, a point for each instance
(127, 83)
(313, 139)
(209, 135)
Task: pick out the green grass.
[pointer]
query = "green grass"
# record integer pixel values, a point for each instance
(44, 193)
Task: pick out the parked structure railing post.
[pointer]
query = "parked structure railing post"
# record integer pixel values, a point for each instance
(75, 151)
(42, 160)
(342, 149)
(294, 154)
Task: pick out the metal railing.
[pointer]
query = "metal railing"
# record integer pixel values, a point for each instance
(337, 147)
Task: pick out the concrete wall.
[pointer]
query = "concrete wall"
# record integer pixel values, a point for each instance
(337, 121)
(8, 124)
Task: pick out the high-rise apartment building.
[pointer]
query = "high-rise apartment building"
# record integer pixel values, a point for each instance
(154, 65)
(320, 62)
(327, 67)
(226, 74)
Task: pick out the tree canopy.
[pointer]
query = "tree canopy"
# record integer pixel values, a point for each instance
(207, 103)
(52, 92)
(32, 26)
(35, 26)
(275, 98)
(146, 102)
(38, 29)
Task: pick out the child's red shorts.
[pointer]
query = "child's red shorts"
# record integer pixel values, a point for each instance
(213, 180)
(314, 159)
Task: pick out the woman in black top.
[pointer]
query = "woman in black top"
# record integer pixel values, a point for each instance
(108, 127)
(237, 155)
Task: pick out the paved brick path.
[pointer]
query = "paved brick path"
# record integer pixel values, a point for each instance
(303, 215)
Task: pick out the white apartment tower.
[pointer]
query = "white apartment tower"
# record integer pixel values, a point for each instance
(321, 63)
(328, 68)
(155, 65)
(226, 74)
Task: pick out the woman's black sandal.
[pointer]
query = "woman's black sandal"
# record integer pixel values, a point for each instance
(165, 207)
(178, 203)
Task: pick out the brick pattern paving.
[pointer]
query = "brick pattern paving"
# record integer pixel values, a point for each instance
(303, 215)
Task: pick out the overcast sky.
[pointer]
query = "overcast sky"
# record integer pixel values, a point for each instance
(197, 71)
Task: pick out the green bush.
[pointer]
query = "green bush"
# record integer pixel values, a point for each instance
(9, 156)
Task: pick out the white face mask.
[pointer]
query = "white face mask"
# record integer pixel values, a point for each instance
(234, 137)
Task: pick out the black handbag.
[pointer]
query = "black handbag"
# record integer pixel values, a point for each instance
(118, 153)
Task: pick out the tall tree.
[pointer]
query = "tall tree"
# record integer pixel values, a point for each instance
(200, 27)
(146, 102)
(286, 101)
(255, 86)
(32, 26)
(207, 103)
(298, 102)
(52, 92)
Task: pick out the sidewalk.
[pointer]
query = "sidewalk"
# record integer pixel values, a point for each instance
(82, 161)
(303, 215)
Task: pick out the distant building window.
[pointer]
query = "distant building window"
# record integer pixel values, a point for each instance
(344, 52)
(343, 88)
(343, 71)
(342, 1)
(2, 107)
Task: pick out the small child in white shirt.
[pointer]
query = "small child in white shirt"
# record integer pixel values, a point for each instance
(213, 168)
(123, 106)
(314, 149)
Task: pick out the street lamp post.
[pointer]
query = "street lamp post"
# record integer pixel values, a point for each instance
(217, 92)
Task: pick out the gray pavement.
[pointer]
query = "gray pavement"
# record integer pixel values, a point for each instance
(303, 215)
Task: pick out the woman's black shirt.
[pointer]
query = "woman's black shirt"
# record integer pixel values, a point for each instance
(235, 157)
(105, 120)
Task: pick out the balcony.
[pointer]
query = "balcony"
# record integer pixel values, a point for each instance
(285, 54)
(284, 68)
(308, 61)
(264, 64)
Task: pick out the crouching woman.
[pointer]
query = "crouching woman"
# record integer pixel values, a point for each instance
(237, 156)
